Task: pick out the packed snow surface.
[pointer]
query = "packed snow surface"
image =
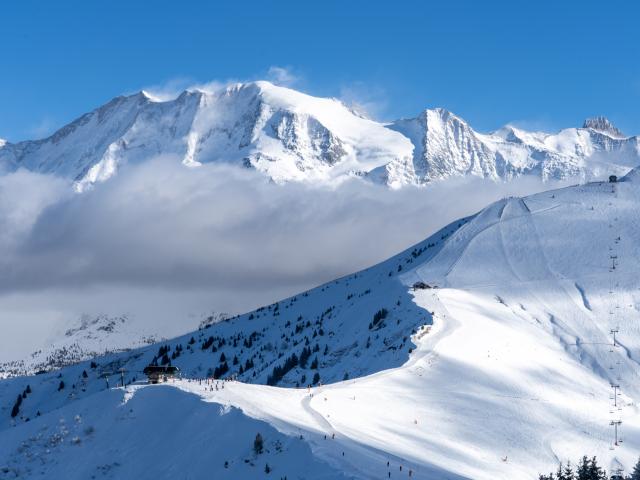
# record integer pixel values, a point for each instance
(502, 370)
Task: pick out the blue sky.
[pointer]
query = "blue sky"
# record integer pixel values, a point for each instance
(541, 64)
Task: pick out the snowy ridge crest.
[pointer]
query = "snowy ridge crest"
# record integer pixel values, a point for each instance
(291, 136)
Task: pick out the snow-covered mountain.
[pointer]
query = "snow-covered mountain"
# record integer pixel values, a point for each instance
(291, 136)
(445, 146)
(485, 351)
(281, 132)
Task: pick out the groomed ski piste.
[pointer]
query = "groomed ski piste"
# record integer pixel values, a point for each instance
(499, 365)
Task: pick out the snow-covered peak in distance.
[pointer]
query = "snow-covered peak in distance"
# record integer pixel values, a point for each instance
(446, 145)
(292, 136)
(603, 125)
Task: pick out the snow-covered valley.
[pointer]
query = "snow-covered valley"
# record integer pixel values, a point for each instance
(485, 351)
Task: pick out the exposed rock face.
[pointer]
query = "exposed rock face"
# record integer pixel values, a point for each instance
(603, 125)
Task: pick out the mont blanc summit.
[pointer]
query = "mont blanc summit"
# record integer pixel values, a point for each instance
(287, 135)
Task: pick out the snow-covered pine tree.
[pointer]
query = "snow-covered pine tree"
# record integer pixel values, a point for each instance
(568, 472)
(635, 475)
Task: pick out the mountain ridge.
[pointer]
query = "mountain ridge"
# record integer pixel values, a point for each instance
(291, 136)
(403, 361)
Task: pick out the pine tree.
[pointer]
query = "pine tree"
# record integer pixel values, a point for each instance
(258, 444)
(635, 475)
(248, 364)
(568, 472)
(582, 473)
(16, 407)
(304, 356)
(595, 472)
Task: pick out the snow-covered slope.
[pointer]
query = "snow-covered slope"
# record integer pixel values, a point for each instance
(291, 136)
(86, 338)
(156, 433)
(90, 336)
(501, 372)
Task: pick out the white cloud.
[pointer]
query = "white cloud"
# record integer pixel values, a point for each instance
(535, 125)
(173, 87)
(162, 238)
(168, 90)
(282, 76)
(45, 127)
(367, 100)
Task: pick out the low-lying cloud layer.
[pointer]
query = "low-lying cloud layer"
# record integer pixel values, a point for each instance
(168, 243)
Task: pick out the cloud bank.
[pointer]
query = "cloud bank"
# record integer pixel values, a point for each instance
(167, 243)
